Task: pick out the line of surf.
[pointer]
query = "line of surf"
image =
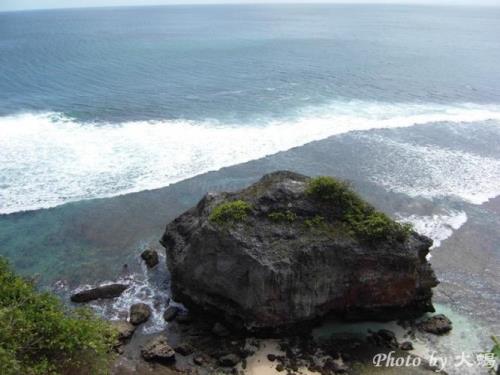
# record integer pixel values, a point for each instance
(47, 159)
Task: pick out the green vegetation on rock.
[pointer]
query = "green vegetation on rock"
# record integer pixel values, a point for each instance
(495, 351)
(362, 220)
(282, 217)
(317, 222)
(227, 212)
(38, 335)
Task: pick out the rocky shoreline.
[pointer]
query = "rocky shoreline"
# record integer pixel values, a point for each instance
(200, 344)
(207, 340)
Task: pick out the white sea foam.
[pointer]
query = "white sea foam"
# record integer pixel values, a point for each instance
(432, 171)
(142, 288)
(438, 227)
(48, 159)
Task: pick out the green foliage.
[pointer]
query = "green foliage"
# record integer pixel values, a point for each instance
(362, 220)
(373, 226)
(38, 335)
(329, 190)
(317, 222)
(496, 346)
(282, 217)
(234, 211)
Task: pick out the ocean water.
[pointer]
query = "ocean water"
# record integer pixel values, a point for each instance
(102, 102)
(99, 106)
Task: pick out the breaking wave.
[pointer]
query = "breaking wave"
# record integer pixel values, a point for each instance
(47, 159)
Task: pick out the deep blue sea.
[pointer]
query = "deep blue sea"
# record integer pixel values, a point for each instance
(102, 102)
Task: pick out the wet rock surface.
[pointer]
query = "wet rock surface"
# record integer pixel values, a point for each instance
(101, 292)
(438, 325)
(150, 257)
(139, 313)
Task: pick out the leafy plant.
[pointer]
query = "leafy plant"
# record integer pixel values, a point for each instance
(362, 220)
(234, 211)
(496, 351)
(317, 222)
(279, 216)
(38, 335)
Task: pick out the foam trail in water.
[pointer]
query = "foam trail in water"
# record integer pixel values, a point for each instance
(438, 227)
(48, 159)
(432, 171)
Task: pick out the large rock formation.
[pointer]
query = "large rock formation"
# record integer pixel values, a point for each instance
(291, 249)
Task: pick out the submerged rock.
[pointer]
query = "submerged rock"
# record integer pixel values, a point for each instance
(438, 325)
(291, 249)
(101, 292)
(139, 313)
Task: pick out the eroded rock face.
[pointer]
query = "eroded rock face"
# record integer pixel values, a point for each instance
(284, 257)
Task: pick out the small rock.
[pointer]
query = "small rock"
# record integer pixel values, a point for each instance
(139, 313)
(150, 257)
(388, 338)
(229, 360)
(198, 360)
(124, 328)
(219, 330)
(184, 349)
(170, 313)
(105, 291)
(383, 338)
(271, 357)
(438, 325)
(407, 345)
(280, 367)
(158, 350)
